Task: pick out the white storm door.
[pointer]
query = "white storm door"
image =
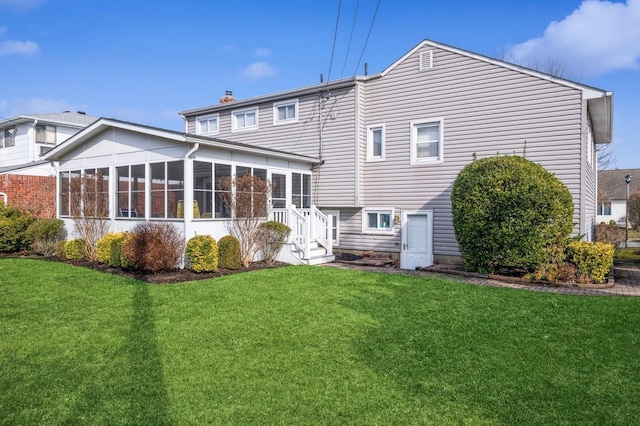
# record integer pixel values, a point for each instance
(417, 239)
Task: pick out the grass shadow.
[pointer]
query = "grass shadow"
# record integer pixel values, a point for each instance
(149, 403)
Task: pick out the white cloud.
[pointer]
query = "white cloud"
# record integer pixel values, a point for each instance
(13, 47)
(262, 53)
(598, 37)
(21, 5)
(257, 71)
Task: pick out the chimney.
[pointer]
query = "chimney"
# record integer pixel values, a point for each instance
(228, 97)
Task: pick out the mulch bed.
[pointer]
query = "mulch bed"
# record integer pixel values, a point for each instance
(162, 277)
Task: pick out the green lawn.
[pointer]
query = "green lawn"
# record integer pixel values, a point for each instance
(308, 345)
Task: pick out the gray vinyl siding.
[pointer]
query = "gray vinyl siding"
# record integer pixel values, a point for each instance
(335, 181)
(352, 237)
(487, 109)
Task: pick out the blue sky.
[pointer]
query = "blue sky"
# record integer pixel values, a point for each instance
(144, 61)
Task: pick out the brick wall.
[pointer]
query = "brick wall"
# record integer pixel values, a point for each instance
(36, 193)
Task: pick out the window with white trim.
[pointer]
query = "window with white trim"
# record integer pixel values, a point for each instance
(375, 143)
(208, 124)
(9, 138)
(245, 119)
(45, 134)
(604, 209)
(378, 220)
(285, 112)
(426, 141)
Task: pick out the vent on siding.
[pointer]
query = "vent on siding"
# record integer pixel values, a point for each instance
(45, 149)
(426, 60)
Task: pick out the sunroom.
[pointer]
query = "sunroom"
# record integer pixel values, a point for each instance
(151, 174)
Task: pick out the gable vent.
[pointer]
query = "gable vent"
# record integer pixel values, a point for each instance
(426, 60)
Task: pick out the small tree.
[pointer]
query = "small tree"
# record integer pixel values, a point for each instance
(90, 209)
(247, 198)
(634, 210)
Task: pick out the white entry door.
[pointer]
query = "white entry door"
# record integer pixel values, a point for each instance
(417, 239)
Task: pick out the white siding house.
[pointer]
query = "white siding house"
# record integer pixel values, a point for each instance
(390, 145)
(612, 194)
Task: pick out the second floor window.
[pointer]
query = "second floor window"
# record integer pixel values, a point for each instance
(8, 138)
(426, 141)
(375, 143)
(285, 112)
(46, 134)
(207, 124)
(245, 119)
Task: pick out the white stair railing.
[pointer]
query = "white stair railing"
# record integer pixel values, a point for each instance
(322, 229)
(307, 226)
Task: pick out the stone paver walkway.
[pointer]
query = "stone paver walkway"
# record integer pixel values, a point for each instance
(626, 276)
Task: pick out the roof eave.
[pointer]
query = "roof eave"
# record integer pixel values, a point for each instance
(338, 84)
(601, 114)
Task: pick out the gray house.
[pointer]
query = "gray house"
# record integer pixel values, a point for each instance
(389, 146)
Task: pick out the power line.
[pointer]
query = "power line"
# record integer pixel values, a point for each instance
(353, 25)
(335, 36)
(367, 40)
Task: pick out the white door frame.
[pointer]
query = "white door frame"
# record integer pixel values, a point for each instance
(409, 259)
(336, 214)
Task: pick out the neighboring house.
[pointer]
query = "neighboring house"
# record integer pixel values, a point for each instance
(391, 144)
(376, 154)
(612, 194)
(25, 179)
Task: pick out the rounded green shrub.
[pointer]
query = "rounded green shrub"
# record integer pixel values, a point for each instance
(75, 249)
(14, 222)
(274, 235)
(506, 212)
(202, 253)
(45, 234)
(229, 253)
(109, 249)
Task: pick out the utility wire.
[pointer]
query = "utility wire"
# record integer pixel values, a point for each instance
(335, 36)
(353, 25)
(367, 40)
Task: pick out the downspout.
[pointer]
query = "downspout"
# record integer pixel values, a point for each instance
(32, 145)
(187, 207)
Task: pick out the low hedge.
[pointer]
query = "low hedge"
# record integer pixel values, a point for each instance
(593, 260)
(75, 249)
(109, 249)
(229, 253)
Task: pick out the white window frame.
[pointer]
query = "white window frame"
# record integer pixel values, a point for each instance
(208, 118)
(370, 151)
(244, 111)
(414, 161)
(379, 210)
(276, 117)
